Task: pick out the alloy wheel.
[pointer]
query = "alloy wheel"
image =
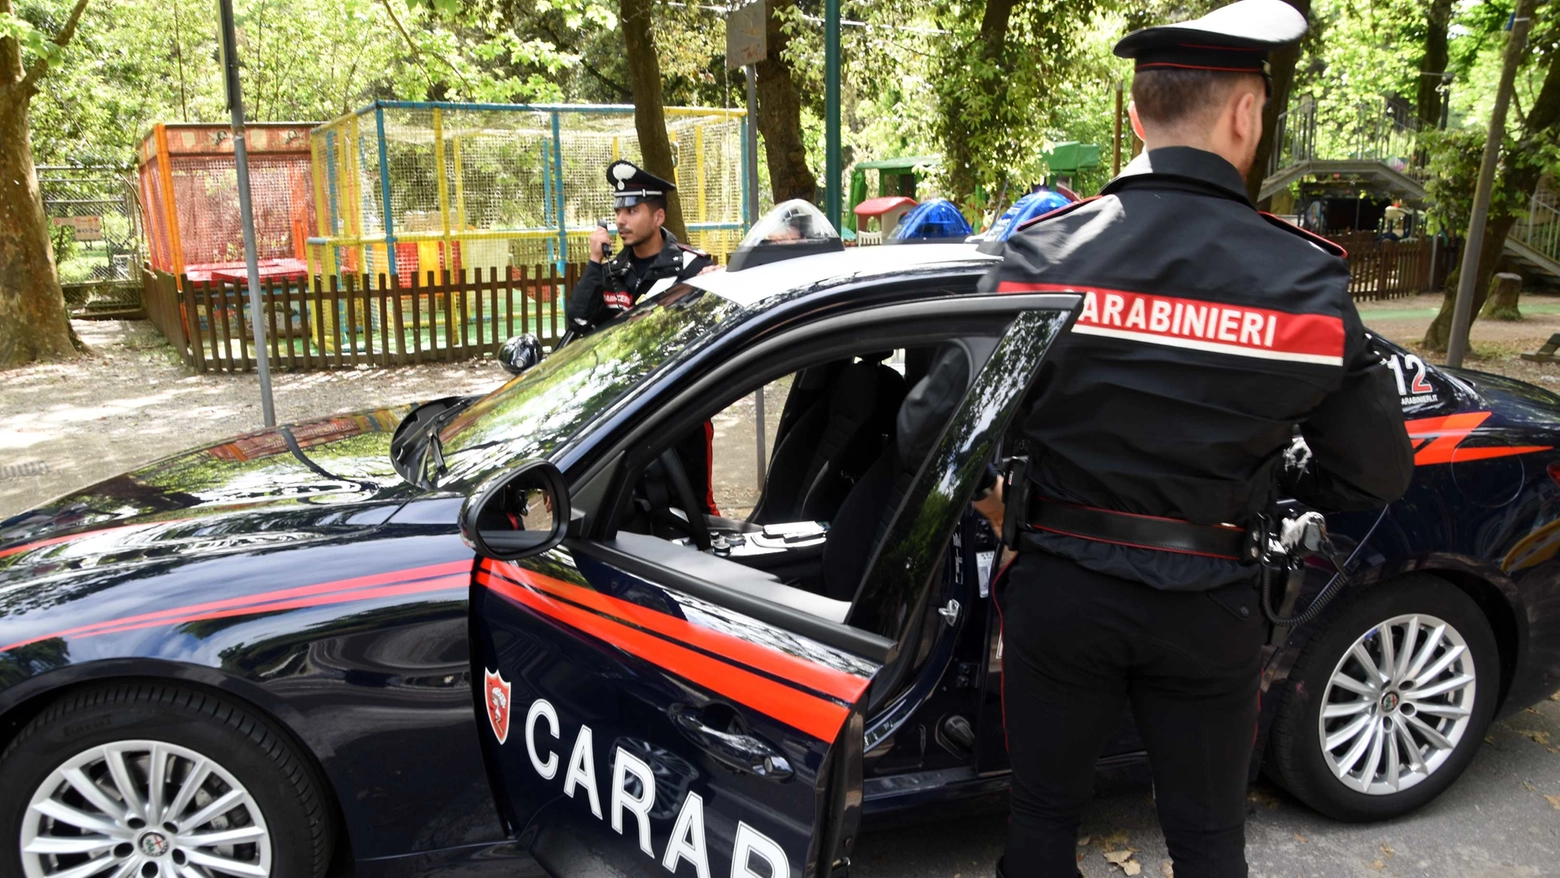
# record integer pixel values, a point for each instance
(1397, 704)
(143, 809)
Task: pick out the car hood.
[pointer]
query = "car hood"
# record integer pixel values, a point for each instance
(1512, 399)
(330, 472)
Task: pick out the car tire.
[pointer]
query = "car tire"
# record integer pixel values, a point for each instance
(1342, 764)
(233, 789)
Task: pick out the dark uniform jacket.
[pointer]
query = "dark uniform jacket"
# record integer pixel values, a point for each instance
(1208, 333)
(608, 289)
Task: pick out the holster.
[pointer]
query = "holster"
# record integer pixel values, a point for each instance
(1015, 506)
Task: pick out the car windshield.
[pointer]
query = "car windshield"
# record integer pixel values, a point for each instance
(535, 413)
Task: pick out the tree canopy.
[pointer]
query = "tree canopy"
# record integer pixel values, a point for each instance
(987, 85)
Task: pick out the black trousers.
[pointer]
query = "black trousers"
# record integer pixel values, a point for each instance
(1078, 648)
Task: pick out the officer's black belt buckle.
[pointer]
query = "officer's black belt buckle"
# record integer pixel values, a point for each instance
(1139, 531)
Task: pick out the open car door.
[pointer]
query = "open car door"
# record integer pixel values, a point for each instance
(653, 710)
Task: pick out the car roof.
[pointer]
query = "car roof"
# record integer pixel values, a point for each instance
(753, 286)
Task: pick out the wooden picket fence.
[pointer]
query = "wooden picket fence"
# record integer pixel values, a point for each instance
(352, 321)
(361, 320)
(1394, 269)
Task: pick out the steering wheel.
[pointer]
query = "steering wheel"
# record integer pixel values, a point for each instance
(698, 531)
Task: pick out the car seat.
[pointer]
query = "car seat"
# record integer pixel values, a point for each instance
(865, 514)
(828, 441)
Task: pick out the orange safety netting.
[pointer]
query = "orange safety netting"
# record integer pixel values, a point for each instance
(189, 196)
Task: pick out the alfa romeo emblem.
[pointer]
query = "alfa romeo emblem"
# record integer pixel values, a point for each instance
(1389, 701)
(495, 692)
(154, 844)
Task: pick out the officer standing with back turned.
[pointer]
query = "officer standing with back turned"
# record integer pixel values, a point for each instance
(651, 260)
(1209, 333)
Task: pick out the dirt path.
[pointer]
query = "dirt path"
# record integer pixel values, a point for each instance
(1496, 345)
(66, 425)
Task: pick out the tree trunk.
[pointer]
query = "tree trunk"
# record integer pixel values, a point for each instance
(780, 117)
(1490, 252)
(1505, 288)
(1519, 179)
(1438, 18)
(959, 151)
(1281, 66)
(644, 79)
(33, 322)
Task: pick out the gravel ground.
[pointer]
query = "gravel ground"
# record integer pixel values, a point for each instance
(66, 425)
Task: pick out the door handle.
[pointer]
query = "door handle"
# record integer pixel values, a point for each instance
(735, 750)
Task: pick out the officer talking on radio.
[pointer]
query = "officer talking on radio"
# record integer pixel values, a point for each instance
(1157, 433)
(651, 258)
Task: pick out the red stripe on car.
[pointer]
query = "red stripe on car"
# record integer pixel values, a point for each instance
(54, 541)
(813, 715)
(1439, 440)
(442, 583)
(822, 678)
(254, 603)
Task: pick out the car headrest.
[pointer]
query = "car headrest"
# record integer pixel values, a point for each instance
(931, 402)
(876, 356)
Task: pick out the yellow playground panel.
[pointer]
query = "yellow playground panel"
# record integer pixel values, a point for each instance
(499, 186)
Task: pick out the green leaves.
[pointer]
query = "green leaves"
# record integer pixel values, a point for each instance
(33, 42)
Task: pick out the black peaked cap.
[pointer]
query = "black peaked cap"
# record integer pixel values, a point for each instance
(631, 184)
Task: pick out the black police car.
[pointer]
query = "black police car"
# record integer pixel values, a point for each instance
(502, 636)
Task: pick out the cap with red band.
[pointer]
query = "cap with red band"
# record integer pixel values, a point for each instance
(1234, 38)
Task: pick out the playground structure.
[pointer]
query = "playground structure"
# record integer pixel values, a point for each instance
(189, 198)
(896, 177)
(1067, 158)
(888, 210)
(499, 186)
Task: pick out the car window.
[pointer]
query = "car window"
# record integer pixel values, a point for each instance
(540, 410)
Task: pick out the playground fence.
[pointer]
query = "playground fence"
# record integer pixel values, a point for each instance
(1394, 269)
(348, 322)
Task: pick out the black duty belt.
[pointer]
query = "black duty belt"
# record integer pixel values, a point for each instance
(1224, 541)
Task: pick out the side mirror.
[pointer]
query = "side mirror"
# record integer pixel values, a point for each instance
(520, 353)
(522, 513)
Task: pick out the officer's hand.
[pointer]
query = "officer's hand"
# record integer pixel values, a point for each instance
(992, 507)
(600, 238)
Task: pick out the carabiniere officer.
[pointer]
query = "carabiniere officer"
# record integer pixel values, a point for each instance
(652, 259)
(1209, 333)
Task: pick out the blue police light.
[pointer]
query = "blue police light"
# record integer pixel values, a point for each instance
(1023, 210)
(794, 228)
(935, 220)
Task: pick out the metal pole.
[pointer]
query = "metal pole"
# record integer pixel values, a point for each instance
(752, 217)
(1462, 312)
(752, 144)
(831, 92)
(246, 207)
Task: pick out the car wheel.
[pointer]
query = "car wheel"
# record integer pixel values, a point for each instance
(1388, 702)
(158, 782)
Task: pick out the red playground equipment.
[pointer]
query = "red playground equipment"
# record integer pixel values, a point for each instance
(888, 210)
(189, 199)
